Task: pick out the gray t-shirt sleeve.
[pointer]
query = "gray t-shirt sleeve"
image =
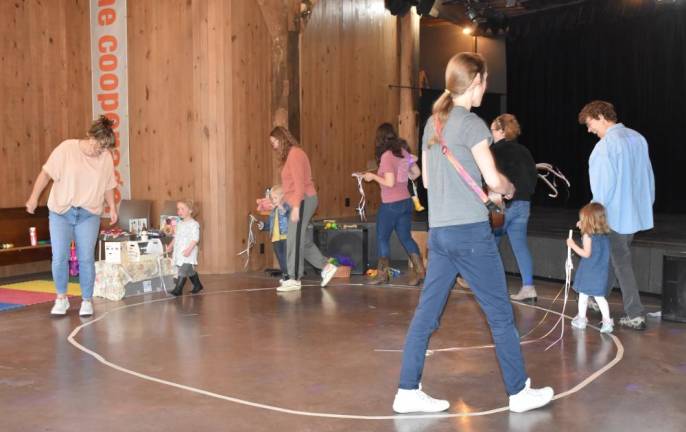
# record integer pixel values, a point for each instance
(475, 131)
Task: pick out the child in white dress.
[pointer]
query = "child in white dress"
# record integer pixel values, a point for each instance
(185, 246)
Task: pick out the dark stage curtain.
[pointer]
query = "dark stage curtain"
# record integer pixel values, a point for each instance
(632, 57)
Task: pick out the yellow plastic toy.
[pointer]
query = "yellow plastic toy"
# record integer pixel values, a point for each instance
(418, 207)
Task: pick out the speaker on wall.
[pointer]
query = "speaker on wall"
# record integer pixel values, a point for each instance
(351, 243)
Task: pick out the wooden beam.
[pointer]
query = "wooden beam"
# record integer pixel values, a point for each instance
(409, 71)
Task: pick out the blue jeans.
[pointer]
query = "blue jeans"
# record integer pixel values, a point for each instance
(83, 227)
(471, 251)
(395, 216)
(516, 221)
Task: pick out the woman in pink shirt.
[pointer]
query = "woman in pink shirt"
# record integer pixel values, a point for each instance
(396, 167)
(82, 174)
(301, 196)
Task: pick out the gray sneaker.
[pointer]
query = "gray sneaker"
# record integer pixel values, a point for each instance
(526, 294)
(636, 323)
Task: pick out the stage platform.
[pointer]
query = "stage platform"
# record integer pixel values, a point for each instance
(548, 229)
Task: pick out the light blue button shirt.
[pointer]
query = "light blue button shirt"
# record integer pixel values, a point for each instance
(622, 179)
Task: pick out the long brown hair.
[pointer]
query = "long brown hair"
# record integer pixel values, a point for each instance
(459, 75)
(593, 219)
(286, 142)
(388, 139)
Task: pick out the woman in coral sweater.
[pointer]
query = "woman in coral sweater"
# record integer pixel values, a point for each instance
(301, 196)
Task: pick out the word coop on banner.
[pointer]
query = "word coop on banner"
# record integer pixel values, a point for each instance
(110, 87)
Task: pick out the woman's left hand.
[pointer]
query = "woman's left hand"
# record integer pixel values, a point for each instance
(187, 252)
(496, 198)
(570, 243)
(295, 214)
(368, 176)
(113, 216)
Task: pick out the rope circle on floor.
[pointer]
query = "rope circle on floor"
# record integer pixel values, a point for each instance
(72, 340)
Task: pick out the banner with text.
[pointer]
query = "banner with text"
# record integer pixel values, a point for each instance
(110, 86)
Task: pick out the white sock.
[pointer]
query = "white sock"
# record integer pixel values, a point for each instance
(583, 304)
(604, 307)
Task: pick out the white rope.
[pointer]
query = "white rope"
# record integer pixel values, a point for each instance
(568, 281)
(548, 170)
(159, 269)
(251, 241)
(361, 206)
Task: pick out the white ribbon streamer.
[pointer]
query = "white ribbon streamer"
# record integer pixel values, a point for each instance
(568, 281)
(361, 206)
(547, 171)
(251, 241)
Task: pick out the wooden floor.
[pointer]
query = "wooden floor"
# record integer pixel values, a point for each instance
(241, 357)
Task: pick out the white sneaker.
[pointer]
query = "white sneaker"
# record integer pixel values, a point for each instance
(607, 326)
(327, 273)
(86, 308)
(530, 398)
(407, 401)
(526, 294)
(289, 285)
(579, 322)
(61, 306)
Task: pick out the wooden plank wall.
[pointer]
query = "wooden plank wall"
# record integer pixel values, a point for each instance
(349, 56)
(200, 116)
(200, 103)
(44, 87)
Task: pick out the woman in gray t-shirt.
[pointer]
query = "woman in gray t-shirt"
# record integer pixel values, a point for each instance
(461, 241)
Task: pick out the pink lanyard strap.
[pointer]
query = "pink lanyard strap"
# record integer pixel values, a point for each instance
(461, 170)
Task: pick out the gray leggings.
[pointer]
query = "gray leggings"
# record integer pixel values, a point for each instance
(186, 270)
(299, 244)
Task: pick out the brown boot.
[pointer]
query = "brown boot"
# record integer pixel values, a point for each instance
(417, 272)
(381, 273)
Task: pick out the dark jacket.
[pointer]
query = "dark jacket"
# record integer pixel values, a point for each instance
(516, 163)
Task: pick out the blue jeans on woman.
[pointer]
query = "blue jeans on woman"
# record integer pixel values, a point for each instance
(469, 250)
(515, 227)
(83, 227)
(395, 216)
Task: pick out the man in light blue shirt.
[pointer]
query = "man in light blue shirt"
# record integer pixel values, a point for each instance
(622, 180)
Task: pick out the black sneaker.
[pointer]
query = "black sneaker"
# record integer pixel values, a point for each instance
(636, 323)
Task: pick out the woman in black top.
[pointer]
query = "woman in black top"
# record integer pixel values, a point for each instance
(516, 163)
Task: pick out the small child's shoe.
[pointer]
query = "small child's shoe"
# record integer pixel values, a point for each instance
(607, 326)
(579, 322)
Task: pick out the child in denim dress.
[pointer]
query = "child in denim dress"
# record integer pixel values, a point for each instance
(591, 276)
